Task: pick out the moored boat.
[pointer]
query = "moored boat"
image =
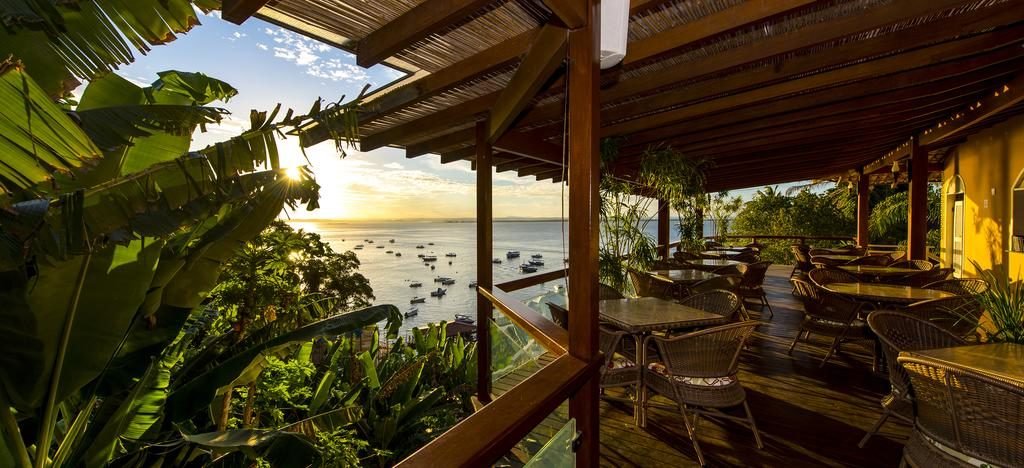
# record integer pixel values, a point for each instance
(496, 260)
(463, 318)
(429, 258)
(536, 262)
(358, 247)
(536, 256)
(417, 300)
(473, 284)
(527, 268)
(450, 254)
(438, 293)
(415, 284)
(512, 254)
(419, 246)
(412, 312)
(448, 281)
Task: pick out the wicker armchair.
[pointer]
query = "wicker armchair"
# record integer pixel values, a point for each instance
(699, 374)
(871, 260)
(828, 314)
(718, 302)
(559, 315)
(816, 252)
(898, 256)
(967, 287)
(607, 292)
(923, 265)
(727, 270)
(745, 257)
(966, 412)
(959, 315)
(820, 261)
(898, 332)
(825, 276)
(619, 369)
(928, 277)
(647, 285)
(801, 261)
(752, 285)
(724, 282)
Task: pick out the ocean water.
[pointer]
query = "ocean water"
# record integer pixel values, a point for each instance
(390, 276)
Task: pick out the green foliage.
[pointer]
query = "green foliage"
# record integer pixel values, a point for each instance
(284, 388)
(721, 208)
(771, 212)
(1004, 303)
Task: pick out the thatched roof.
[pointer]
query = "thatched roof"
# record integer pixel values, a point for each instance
(772, 91)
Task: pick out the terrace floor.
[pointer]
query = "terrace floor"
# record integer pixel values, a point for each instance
(808, 416)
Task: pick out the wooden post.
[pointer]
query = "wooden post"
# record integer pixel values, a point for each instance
(584, 201)
(917, 229)
(663, 230)
(484, 268)
(699, 213)
(863, 212)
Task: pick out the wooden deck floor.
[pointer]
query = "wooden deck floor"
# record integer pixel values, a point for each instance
(808, 416)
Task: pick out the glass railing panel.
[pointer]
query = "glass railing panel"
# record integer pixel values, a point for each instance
(512, 349)
(558, 452)
(549, 444)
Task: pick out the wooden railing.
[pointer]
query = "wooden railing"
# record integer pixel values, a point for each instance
(488, 434)
(801, 239)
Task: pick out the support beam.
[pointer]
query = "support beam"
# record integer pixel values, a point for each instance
(237, 11)
(663, 230)
(863, 210)
(572, 13)
(484, 272)
(421, 21)
(1001, 99)
(430, 125)
(521, 144)
(440, 143)
(584, 201)
(917, 228)
(545, 56)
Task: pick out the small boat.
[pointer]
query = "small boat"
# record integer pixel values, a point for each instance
(398, 254)
(496, 260)
(412, 312)
(441, 279)
(473, 284)
(440, 292)
(463, 318)
(359, 247)
(392, 241)
(419, 246)
(417, 300)
(448, 281)
(369, 242)
(512, 254)
(449, 262)
(536, 256)
(536, 262)
(421, 255)
(430, 243)
(429, 258)
(527, 268)
(432, 267)
(415, 284)
(380, 246)
(389, 251)
(449, 254)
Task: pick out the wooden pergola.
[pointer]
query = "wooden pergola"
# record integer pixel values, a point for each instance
(771, 91)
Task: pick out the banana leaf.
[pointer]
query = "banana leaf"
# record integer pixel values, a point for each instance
(276, 447)
(192, 396)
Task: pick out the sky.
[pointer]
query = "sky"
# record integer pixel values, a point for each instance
(270, 65)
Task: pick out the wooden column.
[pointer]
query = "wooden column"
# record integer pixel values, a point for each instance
(663, 230)
(917, 229)
(584, 201)
(484, 268)
(863, 208)
(699, 213)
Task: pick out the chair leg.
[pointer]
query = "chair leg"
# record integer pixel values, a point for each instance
(795, 340)
(874, 429)
(831, 350)
(771, 313)
(693, 435)
(753, 426)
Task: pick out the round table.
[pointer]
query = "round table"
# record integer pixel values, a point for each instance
(887, 293)
(714, 262)
(878, 272)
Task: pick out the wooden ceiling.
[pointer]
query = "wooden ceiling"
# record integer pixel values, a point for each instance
(771, 90)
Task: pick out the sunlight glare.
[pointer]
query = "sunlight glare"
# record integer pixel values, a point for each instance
(293, 173)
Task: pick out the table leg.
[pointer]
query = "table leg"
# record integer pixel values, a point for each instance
(640, 407)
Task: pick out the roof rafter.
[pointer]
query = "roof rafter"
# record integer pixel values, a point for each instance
(421, 21)
(545, 56)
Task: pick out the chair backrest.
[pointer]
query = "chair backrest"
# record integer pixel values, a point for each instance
(808, 294)
(723, 282)
(972, 413)
(900, 331)
(930, 276)
(959, 315)
(729, 269)
(898, 256)
(754, 273)
(803, 261)
(816, 252)
(647, 285)
(871, 260)
(826, 276)
(609, 339)
(559, 315)
(923, 265)
(961, 287)
(826, 261)
(608, 292)
(746, 257)
(718, 302)
(712, 352)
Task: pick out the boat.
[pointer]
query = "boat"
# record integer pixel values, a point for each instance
(450, 254)
(417, 300)
(421, 255)
(449, 262)
(419, 246)
(430, 243)
(390, 251)
(536, 262)
(512, 254)
(358, 247)
(536, 256)
(369, 242)
(448, 281)
(527, 268)
(380, 246)
(429, 258)
(412, 312)
(392, 241)
(398, 254)
(415, 284)
(463, 318)
(432, 267)
(441, 279)
(440, 292)
(473, 284)
(496, 260)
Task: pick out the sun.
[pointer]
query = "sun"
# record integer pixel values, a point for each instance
(293, 173)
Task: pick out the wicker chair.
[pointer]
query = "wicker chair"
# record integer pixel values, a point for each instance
(745, 257)
(825, 276)
(727, 270)
(898, 256)
(898, 332)
(967, 287)
(559, 315)
(871, 260)
(959, 315)
(923, 265)
(828, 314)
(931, 276)
(801, 261)
(699, 374)
(718, 302)
(816, 252)
(647, 285)
(668, 265)
(752, 285)
(820, 261)
(607, 292)
(965, 411)
(724, 282)
(619, 369)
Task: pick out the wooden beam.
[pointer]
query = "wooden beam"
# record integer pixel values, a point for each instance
(427, 18)
(535, 169)
(545, 56)
(663, 229)
(896, 154)
(512, 164)
(549, 174)
(584, 124)
(572, 13)
(729, 19)
(917, 219)
(863, 210)
(237, 11)
(523, 145)
(484, 268)
(458, 155)
(442, 142)
(430, 125)
(999, 100)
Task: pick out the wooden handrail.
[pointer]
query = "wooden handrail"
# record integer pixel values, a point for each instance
(551, 336)
(532, 280)
(496, 428)
(769, 236)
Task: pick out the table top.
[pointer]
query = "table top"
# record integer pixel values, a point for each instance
(841, 258)
(727, 248)
(874, 270)
(714, 262)
(887, 292)
(683, 276)
(645, 314)
(1000, 360)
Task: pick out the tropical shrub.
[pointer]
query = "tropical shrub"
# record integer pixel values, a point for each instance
(771, 212)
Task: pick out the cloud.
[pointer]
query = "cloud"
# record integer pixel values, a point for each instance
(262, 46)
(393, 166)
(314, 56)
(236, 36)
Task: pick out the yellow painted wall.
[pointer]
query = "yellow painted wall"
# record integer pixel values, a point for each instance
(989, 163)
